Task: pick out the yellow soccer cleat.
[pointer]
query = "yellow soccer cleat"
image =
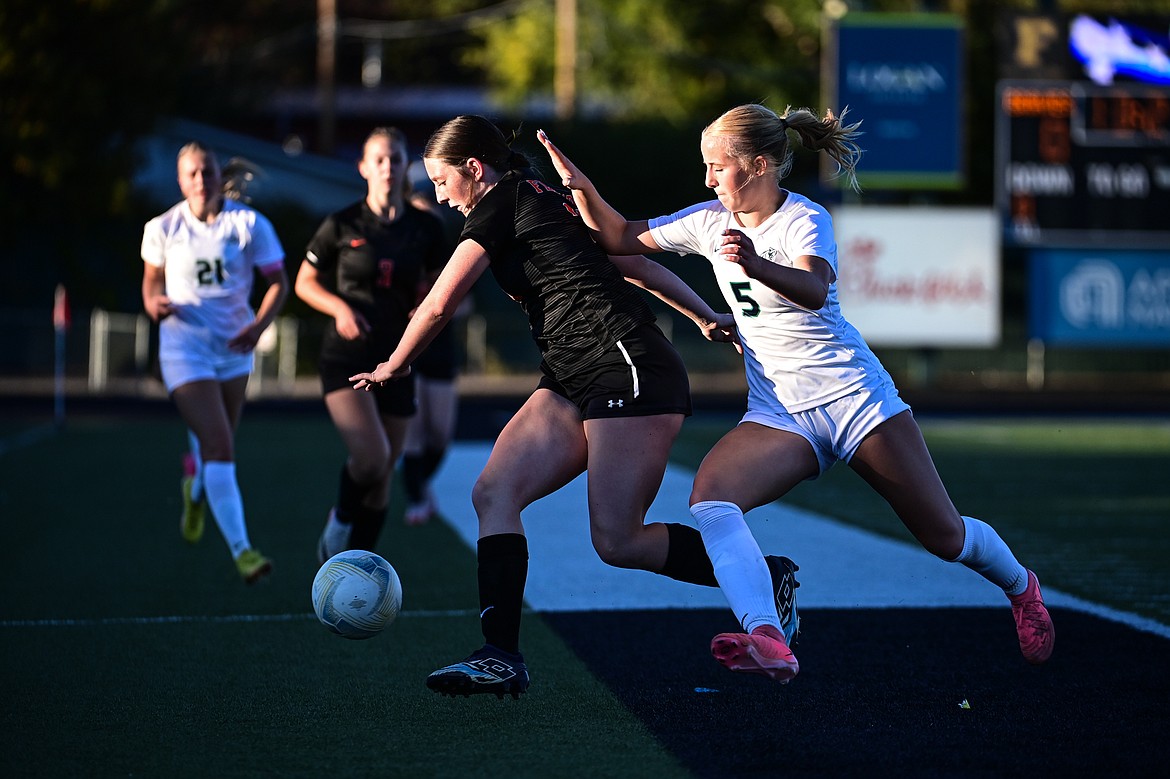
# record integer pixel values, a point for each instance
(191, 523)
(253, 566)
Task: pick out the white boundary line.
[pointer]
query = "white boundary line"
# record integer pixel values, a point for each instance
(1068, 601)
(842, 567)
(196, 619)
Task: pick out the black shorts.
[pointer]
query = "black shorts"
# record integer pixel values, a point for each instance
(640, 376)
(339, 361)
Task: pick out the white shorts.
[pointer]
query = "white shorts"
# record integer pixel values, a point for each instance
(188, 354)
(837, 428)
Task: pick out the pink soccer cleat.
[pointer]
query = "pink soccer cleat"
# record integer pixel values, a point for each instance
(761, 652)
(1033, 625)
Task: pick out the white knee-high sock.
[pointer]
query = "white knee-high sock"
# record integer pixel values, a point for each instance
(738, 562)
(226, 503)
(988, 555)
(197, 456)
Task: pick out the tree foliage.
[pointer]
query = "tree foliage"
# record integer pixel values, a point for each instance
(661, 58)
(73, 91)
(667, 59)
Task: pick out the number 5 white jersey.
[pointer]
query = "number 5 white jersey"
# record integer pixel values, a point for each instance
(795, 359)
(209, 268)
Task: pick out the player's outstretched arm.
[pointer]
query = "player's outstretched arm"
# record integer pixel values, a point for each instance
(649, 275)
(610, 229)
(438, 308)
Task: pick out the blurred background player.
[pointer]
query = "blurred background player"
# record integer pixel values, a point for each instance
(817, 393)
(435, 377)
(200, 258)
(364, 268)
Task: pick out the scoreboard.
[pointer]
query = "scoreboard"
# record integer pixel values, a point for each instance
(1083, 165)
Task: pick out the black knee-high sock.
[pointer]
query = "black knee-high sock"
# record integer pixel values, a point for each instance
(350, 496)
(366, 523)
(686, 557)
(367, 526)
(414, 477)
(503, 570)
(432, 458)
(417, 471)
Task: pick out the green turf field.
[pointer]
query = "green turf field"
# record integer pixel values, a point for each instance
(238, 681)
(127, 653)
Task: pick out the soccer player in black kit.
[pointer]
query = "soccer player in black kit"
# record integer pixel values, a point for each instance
(611, 399)
(364, 268)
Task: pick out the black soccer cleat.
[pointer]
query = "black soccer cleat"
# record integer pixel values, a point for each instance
(486, 670)
(784, 586)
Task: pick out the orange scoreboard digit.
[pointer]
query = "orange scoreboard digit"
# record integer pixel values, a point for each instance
(1078, 164)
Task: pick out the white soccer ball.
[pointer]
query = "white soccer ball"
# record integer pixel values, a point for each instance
(356, 594)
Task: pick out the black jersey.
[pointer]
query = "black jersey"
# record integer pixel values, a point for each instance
(542, 255)
(378, 267)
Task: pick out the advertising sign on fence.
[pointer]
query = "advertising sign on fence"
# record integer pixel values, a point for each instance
(1099, 297)
(920, 277)
(902, 76)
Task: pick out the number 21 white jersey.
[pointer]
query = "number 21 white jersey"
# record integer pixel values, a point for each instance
(209, 267)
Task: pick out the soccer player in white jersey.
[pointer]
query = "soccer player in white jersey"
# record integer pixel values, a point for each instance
(200, 258)
(817, 393)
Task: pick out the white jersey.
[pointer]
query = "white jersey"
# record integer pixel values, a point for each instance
(209, 268)
(795, 359)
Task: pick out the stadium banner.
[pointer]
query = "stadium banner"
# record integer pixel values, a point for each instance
(1091, 297)
(920, 276)
(902, 76)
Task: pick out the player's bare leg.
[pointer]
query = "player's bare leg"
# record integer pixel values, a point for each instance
(539, 451)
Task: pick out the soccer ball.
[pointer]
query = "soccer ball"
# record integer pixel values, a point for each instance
(356, 594)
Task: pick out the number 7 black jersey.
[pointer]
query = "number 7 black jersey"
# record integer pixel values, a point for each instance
(542, 255)
(377, 267)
